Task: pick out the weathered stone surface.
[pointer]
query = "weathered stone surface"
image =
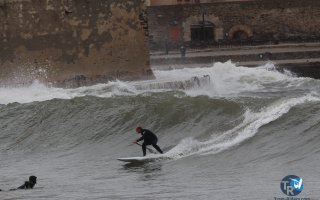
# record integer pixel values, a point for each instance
(72, 42)
(261, 20)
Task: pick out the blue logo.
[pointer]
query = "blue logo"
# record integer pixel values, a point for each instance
(291, 185)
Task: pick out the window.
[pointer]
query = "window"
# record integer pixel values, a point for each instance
(202, 32)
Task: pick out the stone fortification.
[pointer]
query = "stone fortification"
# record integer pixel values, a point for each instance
(73, 42)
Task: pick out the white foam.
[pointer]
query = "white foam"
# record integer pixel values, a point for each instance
(229, 80)
(247, 129)
(34, 92)
(226, 80)
(40, 92)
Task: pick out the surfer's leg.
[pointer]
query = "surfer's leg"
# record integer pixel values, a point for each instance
(157, 148)
(144, 149)
(154, 144)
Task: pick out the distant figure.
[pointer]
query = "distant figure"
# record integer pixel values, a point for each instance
(29, 184)
(148, 138)
(166, 45)
(226, 36)
(183, 51)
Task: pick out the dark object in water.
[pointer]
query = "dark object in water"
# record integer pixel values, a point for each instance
(28, 184)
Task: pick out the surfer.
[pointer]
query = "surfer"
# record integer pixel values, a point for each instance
(148, 138)
(28, 184)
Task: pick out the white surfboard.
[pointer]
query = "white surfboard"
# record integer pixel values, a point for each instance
(134, 159)
(150, 158)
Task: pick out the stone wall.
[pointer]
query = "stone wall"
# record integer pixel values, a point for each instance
(73, 42)
(263, 20)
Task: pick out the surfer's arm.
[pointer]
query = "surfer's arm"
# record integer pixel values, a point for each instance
(142, 138)
(22, 186)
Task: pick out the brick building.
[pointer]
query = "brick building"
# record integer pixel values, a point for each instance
(178, 2)
(237, 21)
(171, 2)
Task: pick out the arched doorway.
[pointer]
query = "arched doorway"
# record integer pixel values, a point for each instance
(240, 33)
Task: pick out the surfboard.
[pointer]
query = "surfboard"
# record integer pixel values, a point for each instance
(149, 158)
(137, 159)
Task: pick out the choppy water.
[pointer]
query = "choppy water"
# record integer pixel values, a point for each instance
(234, 137)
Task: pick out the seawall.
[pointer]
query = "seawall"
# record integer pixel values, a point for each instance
(301, 58)
(72, 43)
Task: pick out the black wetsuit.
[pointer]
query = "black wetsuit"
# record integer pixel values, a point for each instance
(27, 185)
(149, 138)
